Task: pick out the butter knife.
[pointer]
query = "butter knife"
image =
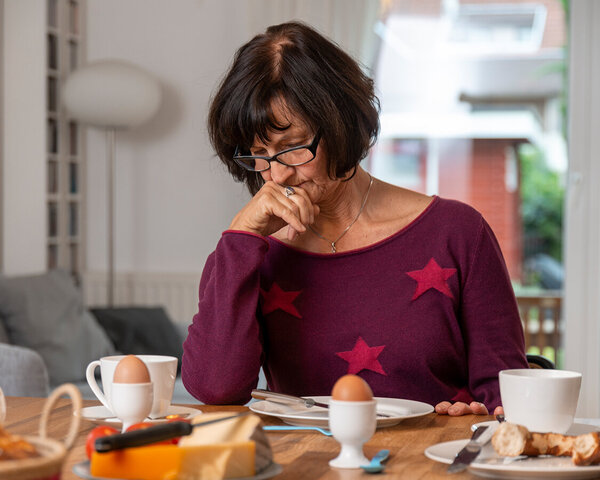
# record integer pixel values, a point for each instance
(285, 399)
(463, 459)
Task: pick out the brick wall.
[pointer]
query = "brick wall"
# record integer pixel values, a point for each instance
(474, 171)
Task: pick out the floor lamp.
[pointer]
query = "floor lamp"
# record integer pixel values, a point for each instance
(111, 95)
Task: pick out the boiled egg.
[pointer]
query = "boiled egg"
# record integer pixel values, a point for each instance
(351, 388)
(131, 369)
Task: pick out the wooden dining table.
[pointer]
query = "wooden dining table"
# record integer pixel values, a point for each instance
(302, 454)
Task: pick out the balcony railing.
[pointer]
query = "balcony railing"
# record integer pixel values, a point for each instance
(542, 324)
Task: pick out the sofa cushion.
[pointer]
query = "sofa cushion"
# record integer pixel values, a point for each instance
(22, 372)
(3, 333)
(46, 313)
(141, 330)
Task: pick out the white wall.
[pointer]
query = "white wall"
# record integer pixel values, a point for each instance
(23, 181)
(173, 197)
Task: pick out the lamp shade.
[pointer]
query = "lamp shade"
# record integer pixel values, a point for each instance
(111, 93)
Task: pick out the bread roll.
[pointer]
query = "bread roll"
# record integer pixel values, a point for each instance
(511, 440)
(586, 449)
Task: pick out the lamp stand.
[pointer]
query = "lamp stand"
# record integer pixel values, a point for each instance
(111, 173)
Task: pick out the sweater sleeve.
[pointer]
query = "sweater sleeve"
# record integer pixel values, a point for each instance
(223, 352)
(491, 323)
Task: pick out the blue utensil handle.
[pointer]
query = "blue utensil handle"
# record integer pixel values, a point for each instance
(381, 455)
(283, 428)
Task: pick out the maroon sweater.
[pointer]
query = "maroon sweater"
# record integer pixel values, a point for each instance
(427, 314)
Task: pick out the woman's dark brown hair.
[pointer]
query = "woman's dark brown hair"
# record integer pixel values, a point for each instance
(314, 78)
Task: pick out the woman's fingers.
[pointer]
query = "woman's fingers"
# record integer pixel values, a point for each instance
(442, 408)
(478, 408)
(305, 210)
(274, 207)
(461, 408)
(291, 233)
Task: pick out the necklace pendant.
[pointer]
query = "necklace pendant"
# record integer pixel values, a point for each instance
(333, 249)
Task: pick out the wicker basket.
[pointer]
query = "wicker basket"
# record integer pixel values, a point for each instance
(52, 452)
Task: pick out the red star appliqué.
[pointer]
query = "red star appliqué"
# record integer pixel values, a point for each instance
(276, 298)
(432, 276)
(363, 357)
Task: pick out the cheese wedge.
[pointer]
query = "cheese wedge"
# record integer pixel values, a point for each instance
(154, 462)
(229, 449)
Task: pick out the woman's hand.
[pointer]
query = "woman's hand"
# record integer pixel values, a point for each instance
(460, 408)
(270, 210)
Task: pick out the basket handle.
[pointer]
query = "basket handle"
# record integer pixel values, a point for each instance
(73, 392)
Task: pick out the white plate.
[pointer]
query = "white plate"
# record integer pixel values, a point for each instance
(82, 470)
(319, 417)
(103, 416)
(490, 465)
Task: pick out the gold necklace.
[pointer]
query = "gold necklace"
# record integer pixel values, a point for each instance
(362, 207)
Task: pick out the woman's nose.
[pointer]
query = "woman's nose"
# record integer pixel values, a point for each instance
(280, 173)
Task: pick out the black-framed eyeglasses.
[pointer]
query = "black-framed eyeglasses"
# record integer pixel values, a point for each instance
(291, 157)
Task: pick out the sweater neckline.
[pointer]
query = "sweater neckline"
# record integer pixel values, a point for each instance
(366, 248)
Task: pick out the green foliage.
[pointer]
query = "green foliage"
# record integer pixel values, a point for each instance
(542, 195)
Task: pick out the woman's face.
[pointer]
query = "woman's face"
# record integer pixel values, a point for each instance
(312, 176)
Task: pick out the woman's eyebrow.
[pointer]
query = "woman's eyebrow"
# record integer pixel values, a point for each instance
(286, 137)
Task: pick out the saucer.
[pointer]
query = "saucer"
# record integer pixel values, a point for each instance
(104, 416)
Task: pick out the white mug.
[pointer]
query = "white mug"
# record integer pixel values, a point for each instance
(163, 370)
(542, 400)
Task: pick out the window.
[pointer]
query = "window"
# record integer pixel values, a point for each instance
(65, 164)
(472, 97)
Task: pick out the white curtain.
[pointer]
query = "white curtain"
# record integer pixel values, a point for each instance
(350, 23)
(582, 228)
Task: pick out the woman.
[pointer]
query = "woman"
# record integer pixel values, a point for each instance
(327, 270)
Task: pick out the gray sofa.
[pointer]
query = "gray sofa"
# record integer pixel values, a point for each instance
(48, 337)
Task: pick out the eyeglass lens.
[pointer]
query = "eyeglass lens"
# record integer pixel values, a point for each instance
(292, 158)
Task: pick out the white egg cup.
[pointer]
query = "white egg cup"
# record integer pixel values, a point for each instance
(131, 402)
(352, 425)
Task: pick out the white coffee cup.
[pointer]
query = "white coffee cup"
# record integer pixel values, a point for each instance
(163, 370)
(542, 400)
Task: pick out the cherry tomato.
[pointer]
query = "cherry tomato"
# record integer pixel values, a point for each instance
(138, 426)
(97, 432)
(177, 419)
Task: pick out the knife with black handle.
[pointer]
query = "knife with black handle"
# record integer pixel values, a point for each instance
(155, 433)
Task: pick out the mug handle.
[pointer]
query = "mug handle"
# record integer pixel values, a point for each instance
(91, 379)
(2, 407)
